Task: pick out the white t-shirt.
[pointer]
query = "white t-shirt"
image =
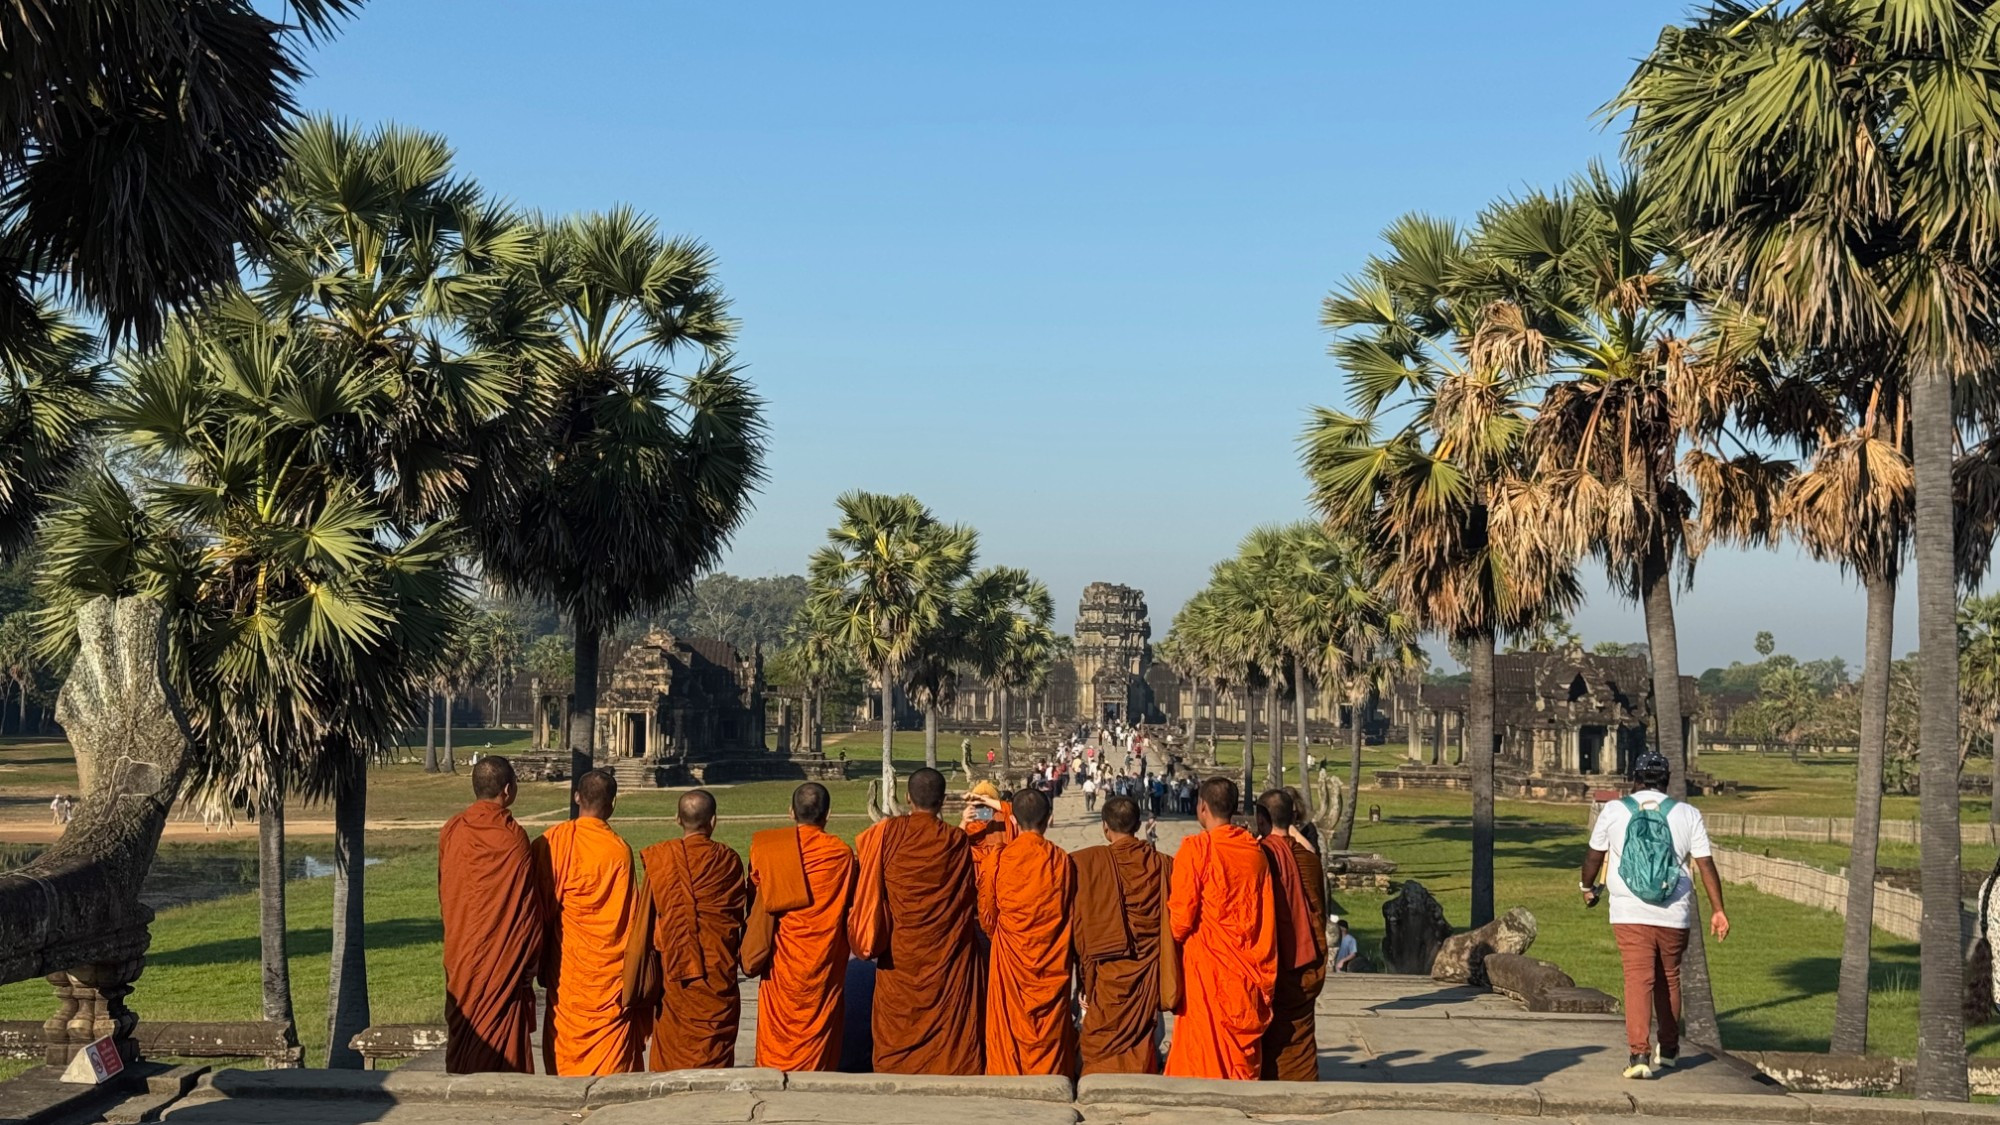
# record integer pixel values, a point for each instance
(1347, 948)
(1690, 834)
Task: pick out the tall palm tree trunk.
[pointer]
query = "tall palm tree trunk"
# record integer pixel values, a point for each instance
(930, 735)
(1343, 837)
(580, 712)
(1274, 765)
(347, 973)
(430, 733)
(1249, 741)
(1479, 756)
(271, 933)
(1993, 771)
(1299, 714)
(1006, 740)
(450, 762)
(1656, 591)
(1850, 1006)
(888, 736)
(1941, 988)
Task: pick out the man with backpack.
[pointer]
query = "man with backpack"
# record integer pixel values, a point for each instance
(1649, 839)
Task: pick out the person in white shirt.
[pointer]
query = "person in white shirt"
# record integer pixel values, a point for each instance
(1344, 953)
(1652, 936)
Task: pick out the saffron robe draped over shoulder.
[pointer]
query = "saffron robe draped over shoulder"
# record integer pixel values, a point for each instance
(1121, 913)
(692, 920)
(1026, 913)
(802, 1002)
(584, 873)
(492, 941)
(1224, 919)
(1291, 1049)
(915, 915)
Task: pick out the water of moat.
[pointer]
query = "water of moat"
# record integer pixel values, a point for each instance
(186, 874)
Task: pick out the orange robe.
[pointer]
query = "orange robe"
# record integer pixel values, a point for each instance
(492, 941)
(1026, 912)
(1291, 1050)
(691, 918)
(1224, 919)
(1121, 907)
(802, 1002)
(915, 915)
(584, 873)
(989, 838)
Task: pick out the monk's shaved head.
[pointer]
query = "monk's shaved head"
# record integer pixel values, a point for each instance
(1277, 804)
(1031, 809)
(697, 810)
(1218, 796)
(927, 789)
(596, 792)
(1121, 815)
(810, 803)
(491, 777)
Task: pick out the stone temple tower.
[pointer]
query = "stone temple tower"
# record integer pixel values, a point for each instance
(1112, 653)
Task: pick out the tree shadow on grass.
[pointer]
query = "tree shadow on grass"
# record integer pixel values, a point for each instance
(392, 933)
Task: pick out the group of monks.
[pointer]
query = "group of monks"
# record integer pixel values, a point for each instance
(994, 950)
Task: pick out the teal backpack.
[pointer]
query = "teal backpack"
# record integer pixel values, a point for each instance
(1649, 866)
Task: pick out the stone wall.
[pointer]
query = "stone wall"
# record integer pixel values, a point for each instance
(1897, 911)
(1831, 829)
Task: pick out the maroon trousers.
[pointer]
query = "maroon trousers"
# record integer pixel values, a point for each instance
(1652, 957)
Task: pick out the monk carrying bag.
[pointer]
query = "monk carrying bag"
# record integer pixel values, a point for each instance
(1649, 865)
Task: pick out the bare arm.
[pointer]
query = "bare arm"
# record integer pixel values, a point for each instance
(1593, 866)
(1711, 879)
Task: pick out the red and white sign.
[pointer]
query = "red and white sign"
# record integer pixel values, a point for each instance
(95, 1063)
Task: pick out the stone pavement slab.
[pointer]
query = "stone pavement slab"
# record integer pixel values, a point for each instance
(788, 1108)
(255, 1111)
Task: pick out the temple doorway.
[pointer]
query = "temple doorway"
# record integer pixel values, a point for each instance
(1590, 749)
(635, 735)
(1110, 714)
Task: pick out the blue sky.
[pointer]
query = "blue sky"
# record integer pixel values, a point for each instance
(1054, 268)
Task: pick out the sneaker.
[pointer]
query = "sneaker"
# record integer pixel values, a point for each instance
(1636, 1067)
(1663, 1060)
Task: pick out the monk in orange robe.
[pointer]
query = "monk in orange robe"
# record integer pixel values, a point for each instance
(583, 871)
(1026, 913)
(1223, 917)
(492, 929)
(1125, 955)
(689, 925)
(915, 915)
(802, 1002)
(1291, 1049)
(989, 824)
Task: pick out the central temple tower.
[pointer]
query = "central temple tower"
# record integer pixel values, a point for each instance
(1113, 652)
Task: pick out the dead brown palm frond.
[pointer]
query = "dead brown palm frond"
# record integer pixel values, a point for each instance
(1507, 341)
(1740, 497)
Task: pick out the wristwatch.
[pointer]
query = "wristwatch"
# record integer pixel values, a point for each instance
(1586, 888)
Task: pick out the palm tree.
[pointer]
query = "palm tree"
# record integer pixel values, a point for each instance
(817, 658)
(304, 622)
(371, 247)
(618, 480)
(134, 140)
(1830, 162)
(50, 381)
(1013, 640)
(885, 579)
(1440, 498)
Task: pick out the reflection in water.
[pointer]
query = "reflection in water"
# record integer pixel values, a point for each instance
(181, 876)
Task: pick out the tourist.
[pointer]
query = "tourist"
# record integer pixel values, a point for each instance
(1346, 950)
(492, 929)
(915, 914)
(1120, 929)
(583, 873)
(686, 936)
(988, 822)
(1089, 793)
(1223, 918)
(989, 756)
(1649, 837)
(1298, 898)
(56, 810)
(1026, 909)
(804, 878)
